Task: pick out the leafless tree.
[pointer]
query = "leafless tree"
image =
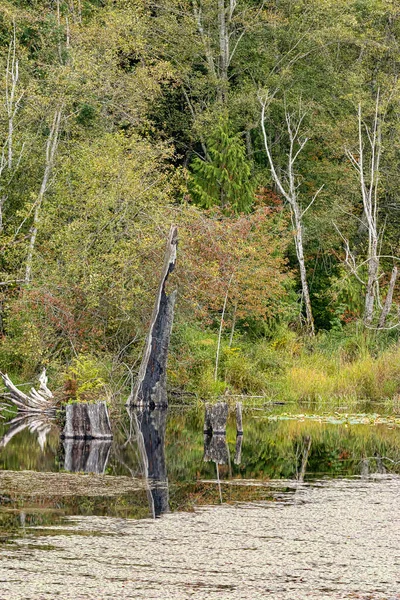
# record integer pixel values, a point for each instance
(232, 25)
(366, 162)
(288, 186)
(12, 101)
(367, 167)
(51, 149)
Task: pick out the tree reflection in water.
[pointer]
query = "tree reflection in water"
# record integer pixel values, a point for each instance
(148, 429)
(87, 456)
(39, 423)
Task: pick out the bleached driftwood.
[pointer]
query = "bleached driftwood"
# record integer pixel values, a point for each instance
(151, 384)
(36, 401)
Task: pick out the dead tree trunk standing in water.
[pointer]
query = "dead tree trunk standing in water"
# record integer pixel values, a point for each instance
(215, 446)
(149, 427)
(215, 418)
(151, 385)
(239, 434)
(239, 419)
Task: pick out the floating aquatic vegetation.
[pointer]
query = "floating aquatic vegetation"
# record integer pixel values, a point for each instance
(337, 418)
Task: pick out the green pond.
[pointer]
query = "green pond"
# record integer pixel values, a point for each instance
(134, 499)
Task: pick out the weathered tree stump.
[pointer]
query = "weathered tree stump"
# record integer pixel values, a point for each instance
(87, 421)
(87, 456)
(151, 385)
(215, 418)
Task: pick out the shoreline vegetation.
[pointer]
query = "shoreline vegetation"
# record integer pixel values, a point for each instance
(267, 133)
(354, 373)
(330, 370)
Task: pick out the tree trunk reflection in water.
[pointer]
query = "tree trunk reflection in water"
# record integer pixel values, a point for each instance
(216, 448)
(87, 456)
(305, 453)
(364, 468)
(238, 450)
(149, 427)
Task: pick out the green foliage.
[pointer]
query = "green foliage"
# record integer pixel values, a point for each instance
(22, 349)
(137, 106)
(85, 379)
(223, 178)
(347, 366)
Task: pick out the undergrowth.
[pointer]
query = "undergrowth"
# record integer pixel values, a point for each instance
(336, 367)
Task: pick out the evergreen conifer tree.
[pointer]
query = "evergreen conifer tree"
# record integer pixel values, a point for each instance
(224, 177)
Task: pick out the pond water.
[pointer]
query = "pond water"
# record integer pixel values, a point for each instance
(295, 508)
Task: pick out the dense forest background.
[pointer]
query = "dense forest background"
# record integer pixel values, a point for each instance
(267, 131)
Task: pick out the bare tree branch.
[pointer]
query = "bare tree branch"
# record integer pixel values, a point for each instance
(51, 149)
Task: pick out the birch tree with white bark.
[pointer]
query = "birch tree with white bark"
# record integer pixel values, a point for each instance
(231, 25)
(51, 150)
(287, 183)
(12, 101)
(366, 161)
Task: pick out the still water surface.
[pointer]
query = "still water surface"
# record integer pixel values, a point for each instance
(296, 508)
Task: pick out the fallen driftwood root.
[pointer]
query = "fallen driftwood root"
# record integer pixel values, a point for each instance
(37, 401)
(87, 421)
(151, 384)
